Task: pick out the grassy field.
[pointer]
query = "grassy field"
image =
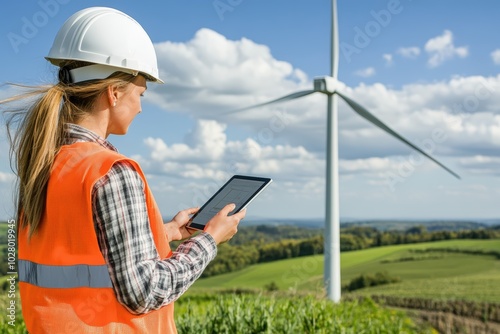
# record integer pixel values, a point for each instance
(257, 313)
(432, 274)
(228, 313)
(436, 275)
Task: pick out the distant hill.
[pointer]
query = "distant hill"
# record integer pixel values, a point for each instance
(431, 225)
(304, 223)
(382, 224)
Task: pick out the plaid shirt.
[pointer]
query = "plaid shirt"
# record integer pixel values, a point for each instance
(142, 281)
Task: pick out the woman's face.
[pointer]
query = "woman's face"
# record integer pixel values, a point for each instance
(128, 105)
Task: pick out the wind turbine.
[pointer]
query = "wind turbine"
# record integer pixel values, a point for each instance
(329, 85)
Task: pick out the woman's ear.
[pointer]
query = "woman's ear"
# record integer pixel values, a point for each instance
(112, 94)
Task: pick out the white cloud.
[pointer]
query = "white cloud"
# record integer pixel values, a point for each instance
(211, 73)
(206, 142)
(369, 165)
(454, 118)
(387, 58)
(481, 164)
(441, 49)
(205, 157)
(294, 167)
(411, 52)
(365, 72)
(183, 181)
(7, 191)
(495, 56)
(7, 177)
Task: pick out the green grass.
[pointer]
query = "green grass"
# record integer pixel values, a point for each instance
(258, 313)
(242, 314)
(482, 287)
(444, 276)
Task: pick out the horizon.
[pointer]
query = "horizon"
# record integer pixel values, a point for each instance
(395, 219)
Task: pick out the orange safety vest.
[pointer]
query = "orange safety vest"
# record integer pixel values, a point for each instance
(64, 281)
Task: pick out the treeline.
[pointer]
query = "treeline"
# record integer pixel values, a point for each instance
(262, 234)
(460, 251)
(237, 256)
(431, 225)
(230, 258)
(356, 238)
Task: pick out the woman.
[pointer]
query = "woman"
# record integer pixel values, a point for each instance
(93, 249)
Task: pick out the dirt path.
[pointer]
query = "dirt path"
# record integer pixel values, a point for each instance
(449, 323)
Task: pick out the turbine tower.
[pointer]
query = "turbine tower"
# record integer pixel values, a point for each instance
(329, 85)
(332, 207)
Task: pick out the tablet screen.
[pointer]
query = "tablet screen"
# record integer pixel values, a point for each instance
(240, 190)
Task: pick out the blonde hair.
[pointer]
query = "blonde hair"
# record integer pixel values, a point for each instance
(36, 134)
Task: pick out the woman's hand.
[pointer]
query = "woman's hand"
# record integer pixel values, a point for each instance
(223, 227)
(176, 228)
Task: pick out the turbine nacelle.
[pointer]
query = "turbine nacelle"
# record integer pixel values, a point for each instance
(327, 85)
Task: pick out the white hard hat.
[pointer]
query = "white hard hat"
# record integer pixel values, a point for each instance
(108, 38)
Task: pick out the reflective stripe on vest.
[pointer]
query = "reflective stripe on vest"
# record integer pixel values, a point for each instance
(63, 277)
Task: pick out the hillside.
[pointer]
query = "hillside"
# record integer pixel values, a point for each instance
(432, 274)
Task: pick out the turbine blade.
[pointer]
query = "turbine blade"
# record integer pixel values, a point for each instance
(288, 97)
(361, 111)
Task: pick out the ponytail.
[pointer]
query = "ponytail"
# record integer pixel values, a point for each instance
(36, 134)
(33, 148)
(37, 142)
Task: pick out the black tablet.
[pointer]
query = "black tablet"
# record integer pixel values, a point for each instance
(240, 190)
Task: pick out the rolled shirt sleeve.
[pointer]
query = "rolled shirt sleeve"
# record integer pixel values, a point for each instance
(142, 281)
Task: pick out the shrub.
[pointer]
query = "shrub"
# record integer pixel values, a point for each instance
(271, 286)
(365, 281)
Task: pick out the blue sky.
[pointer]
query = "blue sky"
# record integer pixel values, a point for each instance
(427, 68)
